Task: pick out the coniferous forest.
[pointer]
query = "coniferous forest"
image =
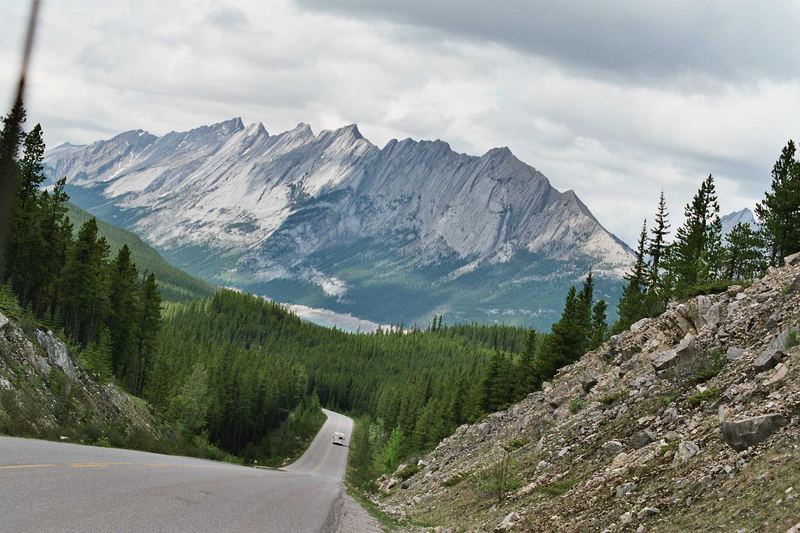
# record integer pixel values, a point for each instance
(244, 375)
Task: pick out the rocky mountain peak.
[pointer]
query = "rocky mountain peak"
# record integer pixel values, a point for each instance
(274, 202)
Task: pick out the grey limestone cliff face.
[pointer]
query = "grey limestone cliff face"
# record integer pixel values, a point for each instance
(285, 206)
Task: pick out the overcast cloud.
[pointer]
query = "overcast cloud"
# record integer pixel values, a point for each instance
(616, 100)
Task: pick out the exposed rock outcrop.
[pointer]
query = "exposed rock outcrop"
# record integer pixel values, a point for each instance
(44, 394)
(691, 424)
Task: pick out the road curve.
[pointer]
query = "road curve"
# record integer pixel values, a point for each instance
(51, 486)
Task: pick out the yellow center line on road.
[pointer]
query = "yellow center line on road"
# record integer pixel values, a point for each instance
(88, 465)
(12, 467)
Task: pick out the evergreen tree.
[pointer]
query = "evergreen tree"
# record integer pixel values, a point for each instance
(147, 332)
(632, 305)
(779, 212)
(659, 233)
(124, 311)
(599, 325)
(525, 373)
(744, 257)
(96, 358)
(697, 247)
(84, 285)
(393, 452)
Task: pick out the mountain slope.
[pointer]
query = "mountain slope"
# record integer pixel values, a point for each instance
(686, 422)
(330, 220)
(175, 285)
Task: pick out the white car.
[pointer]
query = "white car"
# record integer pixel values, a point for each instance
(338, 439)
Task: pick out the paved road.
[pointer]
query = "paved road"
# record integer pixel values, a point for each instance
(50, 486)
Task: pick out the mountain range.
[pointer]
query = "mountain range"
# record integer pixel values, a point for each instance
(328, 219)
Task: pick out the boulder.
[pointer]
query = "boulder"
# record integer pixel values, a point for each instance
(642, 438)
(713, 315)
(734, 353)
(686, 450)
(648, 511)
(625, 489)
(612, 448)
(3, 320)
(685, 349)
(777, 376)
(636, 326)
(769, 358)
(508, 523)
(773, 321)
(56, 352)
(742, 434)
(791, 260)
(733, 290)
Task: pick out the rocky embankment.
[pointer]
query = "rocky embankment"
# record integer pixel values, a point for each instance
(687, 422)
(44, 394)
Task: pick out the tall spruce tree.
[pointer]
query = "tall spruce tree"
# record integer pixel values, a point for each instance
(632, 305)
(147, 331)
(84, 285)
(599, 324)
(744, 255)
(779, 212)
(659, 233)
(697, 247)
(124, 311)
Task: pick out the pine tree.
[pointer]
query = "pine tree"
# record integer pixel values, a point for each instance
(525, 374)
(124, 310)
(657, 244)
(697, 245)
(779, 212)
(84, 285)
(632, 305)
(96, 358)
(147, 330)
(393, 452)
(11, 138)
(744, 257)
(599, 325)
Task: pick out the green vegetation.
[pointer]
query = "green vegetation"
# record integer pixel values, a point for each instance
(557, 488)
(614, 397)
(500, 478)
(174, 284)
(791, 340)
(576, 404)
(698, 261)
(699, 398)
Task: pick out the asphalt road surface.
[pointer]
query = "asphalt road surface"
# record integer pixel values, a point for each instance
(51, 486)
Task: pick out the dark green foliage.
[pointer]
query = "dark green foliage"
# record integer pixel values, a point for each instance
(744, 258)
(174, 284)
(633, 304)
(599, 325)
(697, 248)
(779, 212)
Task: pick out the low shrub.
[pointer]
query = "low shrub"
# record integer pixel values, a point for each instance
(710, 394)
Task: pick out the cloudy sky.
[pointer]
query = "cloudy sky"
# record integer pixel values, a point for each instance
(613, 99)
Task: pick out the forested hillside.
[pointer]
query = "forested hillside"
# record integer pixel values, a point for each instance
(175, 284)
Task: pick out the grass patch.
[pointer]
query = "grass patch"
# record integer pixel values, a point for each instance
(670, 398)
(516, 444)
(711, 370)
(576, 405)
(388, 522)
(614, 397)
(455, 480)
(669, 448)
(710, 394)
(791, 340)
(557, 488)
